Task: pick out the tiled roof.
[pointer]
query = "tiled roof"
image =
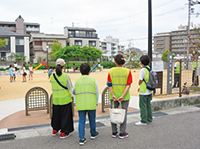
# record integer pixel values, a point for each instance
(4, 32)
(80, 29)
(13, 23)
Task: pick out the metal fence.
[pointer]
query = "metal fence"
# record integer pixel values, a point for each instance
(36, 98)
(185, 82)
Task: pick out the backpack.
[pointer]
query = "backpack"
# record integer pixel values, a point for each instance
(153, 79)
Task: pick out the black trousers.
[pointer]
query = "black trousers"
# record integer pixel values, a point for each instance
(197, 81)
(62, 118)
(176, 79)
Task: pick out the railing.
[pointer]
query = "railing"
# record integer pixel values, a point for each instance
(83, 35)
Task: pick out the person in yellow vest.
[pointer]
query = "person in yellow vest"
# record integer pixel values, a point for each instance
(119, 82)
(86, 98)
(145, 95)
(195, 65)
(62, 117)
(176, 73)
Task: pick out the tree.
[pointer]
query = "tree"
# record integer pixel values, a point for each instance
(3, 42)
(56, 46)
(195, 50)
(164, 55)
(90, 52)
(132, 57)
(12, 56)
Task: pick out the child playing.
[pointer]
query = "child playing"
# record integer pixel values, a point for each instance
(14, 73)
(30, 68)
(145, 95)
(119, 82)
(50, 72)
(11, 73)
(24, 73)
(86, 97)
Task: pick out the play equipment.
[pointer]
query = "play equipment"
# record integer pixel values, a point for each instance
(94, 68)
(43, 63)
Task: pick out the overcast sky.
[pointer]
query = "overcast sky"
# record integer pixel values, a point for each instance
(123, 19)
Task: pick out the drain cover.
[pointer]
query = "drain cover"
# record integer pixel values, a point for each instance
(7, 137)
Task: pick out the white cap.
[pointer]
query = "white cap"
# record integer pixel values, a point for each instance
(60, 62)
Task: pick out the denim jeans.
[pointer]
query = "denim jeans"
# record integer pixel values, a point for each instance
(82, 119)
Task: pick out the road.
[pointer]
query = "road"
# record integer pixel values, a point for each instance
(179, 131)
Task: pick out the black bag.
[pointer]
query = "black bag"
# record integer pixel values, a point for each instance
(59, 82)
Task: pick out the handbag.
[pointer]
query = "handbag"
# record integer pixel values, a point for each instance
(117, 115)
(59, 82)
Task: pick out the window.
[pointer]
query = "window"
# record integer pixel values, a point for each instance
(19, 41)
(92, 43)
(78, 42)
(38, 43)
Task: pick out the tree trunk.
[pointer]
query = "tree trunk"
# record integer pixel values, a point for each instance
(88, 61)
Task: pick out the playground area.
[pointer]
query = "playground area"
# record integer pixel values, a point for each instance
(18, 90)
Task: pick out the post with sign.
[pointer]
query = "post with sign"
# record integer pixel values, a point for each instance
(157, 66)
(169, 73)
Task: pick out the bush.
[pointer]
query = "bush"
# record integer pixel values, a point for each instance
(108, 64)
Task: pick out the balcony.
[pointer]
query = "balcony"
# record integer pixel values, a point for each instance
(33, 29)
(82, 35)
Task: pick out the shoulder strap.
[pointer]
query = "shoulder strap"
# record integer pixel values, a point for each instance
(59, 82)
(149, 69)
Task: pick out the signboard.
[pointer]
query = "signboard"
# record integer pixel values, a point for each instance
(169, 73)
(157, 66)
(198, 71)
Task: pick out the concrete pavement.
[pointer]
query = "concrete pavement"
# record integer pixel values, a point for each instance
(174, 128)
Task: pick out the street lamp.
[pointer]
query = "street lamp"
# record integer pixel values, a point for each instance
(47, 53)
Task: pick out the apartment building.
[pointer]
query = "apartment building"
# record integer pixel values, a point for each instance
(162, 41)
(110, 46)
(81, 36)
(175, 41)
(40, 44)
(19, 26)
(16, 43)
(17, 33)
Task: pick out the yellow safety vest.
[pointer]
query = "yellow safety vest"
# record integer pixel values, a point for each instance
(119, 76)
(85, 93)
(143, 86)
(195, 64)
(177, 68)
(61, 96)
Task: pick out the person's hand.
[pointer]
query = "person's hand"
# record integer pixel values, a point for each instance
(121, 99)
(114, 98)
(138, 89)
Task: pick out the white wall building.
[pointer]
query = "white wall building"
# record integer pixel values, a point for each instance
(110, 46)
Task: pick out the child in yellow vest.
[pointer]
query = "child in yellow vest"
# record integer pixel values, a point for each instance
(86, 97)
(145, 95)
(119, 82)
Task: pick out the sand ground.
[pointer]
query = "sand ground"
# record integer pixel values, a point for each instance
(17, 89)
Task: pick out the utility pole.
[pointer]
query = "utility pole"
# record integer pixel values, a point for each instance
(150, 29)
(191, 3)
(188, 28)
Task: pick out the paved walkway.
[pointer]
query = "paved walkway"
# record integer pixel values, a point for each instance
(175, 128)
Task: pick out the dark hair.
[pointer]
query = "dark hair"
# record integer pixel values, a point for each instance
(24, 65)
(10, 66)
(119, 59)
(59, 69)
(85, 68)
(50, 67)
(145, 59)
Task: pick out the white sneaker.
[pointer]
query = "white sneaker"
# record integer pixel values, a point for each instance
(140, 123)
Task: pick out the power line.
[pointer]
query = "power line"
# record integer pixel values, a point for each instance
(136, 14)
